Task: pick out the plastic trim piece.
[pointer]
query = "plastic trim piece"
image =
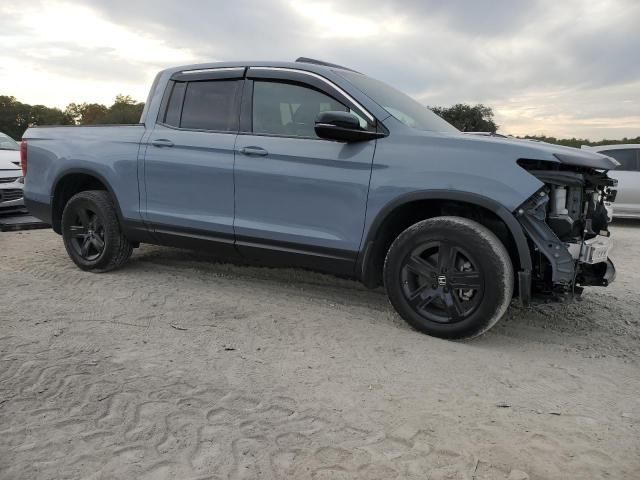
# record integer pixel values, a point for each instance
(226, 73)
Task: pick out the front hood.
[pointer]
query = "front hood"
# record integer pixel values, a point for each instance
(7, 159)
(535, 150)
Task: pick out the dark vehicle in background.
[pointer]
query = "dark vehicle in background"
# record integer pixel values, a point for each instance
(628, 176)
(11, 181)
(312, 164)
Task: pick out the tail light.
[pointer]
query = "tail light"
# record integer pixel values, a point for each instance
(23, 157)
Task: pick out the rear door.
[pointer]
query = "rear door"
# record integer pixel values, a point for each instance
(188, 164)
(297, 193)
(628, 175)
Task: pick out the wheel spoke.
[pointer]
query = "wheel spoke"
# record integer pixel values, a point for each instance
(97, 242)
(84, 249)
(446, 257)
(420, 266)
(452, 304)
(421, 297)
(78, 231)
(464, 280)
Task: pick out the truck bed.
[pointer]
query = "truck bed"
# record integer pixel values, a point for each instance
(107, 151)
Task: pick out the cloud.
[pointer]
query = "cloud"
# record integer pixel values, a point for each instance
(562, 68)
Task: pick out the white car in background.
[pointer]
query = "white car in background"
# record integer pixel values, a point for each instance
(11, 180)
(627, 204)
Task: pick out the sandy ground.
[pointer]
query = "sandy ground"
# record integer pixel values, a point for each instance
(180, 367)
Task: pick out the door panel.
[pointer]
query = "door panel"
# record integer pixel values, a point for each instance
(296, 193)
(189, 155)
(304, 193)
(628, 176)
(628, 198)
(189, 185)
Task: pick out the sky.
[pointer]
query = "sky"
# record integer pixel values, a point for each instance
(561, 68)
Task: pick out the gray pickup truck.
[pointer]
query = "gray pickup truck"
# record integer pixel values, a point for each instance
(311, 164)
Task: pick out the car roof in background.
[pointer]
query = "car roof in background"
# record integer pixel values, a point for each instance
(616, 146)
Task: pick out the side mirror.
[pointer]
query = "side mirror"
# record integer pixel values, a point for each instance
(342, 126)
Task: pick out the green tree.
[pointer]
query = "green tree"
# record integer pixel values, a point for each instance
(124, 110)
(87, 113)
(41, 115)
(16, 117)
(468, 118)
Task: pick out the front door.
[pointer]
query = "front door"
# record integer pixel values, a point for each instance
(297, 193)
(188, 164)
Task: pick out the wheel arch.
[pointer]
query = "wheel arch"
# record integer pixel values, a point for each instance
(415, 206)
(72, 181)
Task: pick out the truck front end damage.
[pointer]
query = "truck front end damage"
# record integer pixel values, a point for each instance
(567, 225)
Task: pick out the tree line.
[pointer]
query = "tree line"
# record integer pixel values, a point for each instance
(479, 118)
(16, 117)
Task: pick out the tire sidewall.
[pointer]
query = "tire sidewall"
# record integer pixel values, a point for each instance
(495, 273)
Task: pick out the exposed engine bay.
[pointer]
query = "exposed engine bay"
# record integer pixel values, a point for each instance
(567, 223)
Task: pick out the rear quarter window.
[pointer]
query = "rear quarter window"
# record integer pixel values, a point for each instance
(174, 104)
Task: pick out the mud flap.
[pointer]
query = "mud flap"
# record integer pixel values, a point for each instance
(524, 287)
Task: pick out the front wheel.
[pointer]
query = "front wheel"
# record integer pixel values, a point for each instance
(449, 277)
(92, 234)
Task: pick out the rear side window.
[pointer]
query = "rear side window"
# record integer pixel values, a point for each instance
(629, 158)
(210, 105)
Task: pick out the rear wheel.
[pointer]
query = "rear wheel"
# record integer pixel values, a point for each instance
(92, 234)
(449, 277)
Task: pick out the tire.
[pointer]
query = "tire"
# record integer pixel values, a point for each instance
(91, 232)
(426, 263)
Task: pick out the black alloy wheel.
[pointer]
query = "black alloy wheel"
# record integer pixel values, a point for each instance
(441, 282)
(87, 233)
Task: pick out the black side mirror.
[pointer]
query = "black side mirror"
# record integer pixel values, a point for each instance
(342, 126)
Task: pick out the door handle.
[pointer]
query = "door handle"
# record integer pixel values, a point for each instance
(254, 151)
(162, 142)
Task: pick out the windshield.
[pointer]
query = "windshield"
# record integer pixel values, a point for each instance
(401, 106)
(8, 143)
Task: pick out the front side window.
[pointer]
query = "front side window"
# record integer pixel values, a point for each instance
(290, 110)
(210, 105)
(628, 158)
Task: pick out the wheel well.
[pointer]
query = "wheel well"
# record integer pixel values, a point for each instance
(413, 212)
(66, 188)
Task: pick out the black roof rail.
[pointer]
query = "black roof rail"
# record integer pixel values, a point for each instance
(324, 64)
